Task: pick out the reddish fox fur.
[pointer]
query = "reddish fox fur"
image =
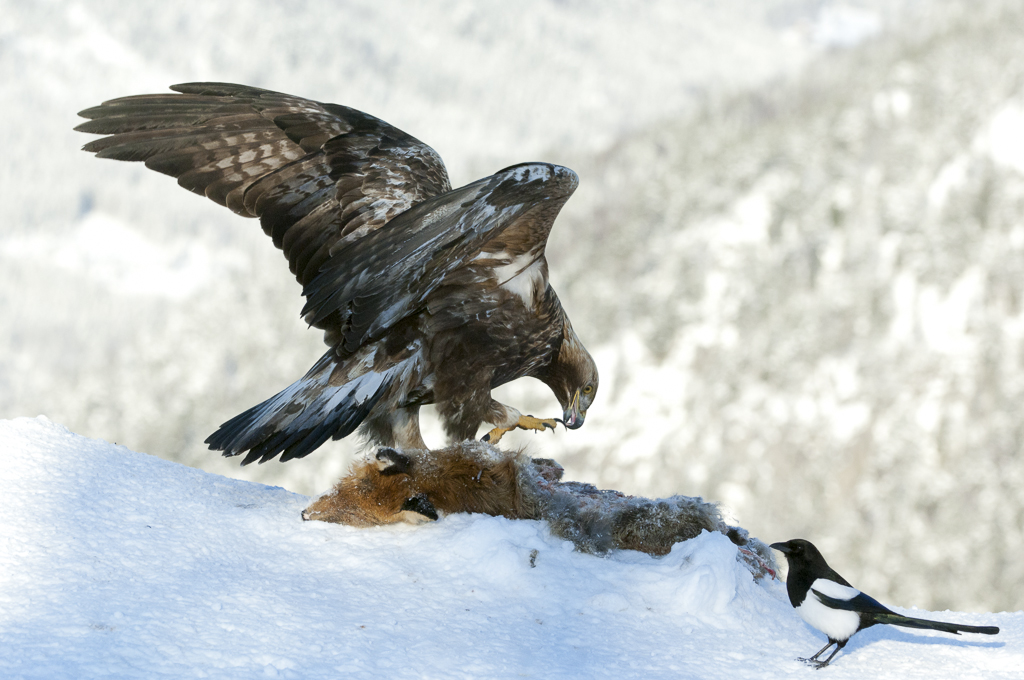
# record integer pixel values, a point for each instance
(452, 479)
(413, 485)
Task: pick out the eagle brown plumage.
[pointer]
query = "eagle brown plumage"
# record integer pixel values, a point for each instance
(426, 294)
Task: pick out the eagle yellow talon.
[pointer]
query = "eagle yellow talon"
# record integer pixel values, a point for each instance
(539, 424)
(495, 435)
(524, 423)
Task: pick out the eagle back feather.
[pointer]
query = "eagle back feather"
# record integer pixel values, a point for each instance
(392, 272)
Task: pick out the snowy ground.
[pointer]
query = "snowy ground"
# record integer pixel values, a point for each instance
(119, 564)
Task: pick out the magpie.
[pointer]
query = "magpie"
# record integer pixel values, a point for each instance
(828, 602)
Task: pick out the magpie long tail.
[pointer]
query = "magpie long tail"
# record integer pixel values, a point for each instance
(955, 628)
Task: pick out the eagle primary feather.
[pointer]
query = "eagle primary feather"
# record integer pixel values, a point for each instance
(425, 294)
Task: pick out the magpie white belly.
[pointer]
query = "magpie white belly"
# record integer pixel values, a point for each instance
(838, 624)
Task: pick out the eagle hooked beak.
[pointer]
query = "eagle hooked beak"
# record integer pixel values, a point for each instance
(572, 416)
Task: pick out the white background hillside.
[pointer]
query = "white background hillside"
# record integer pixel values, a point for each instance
(795, 251)
(118, 564)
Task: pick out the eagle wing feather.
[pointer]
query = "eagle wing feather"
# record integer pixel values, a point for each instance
(391, 273)
(313, 173)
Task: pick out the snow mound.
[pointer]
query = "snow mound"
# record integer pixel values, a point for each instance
(118, 564)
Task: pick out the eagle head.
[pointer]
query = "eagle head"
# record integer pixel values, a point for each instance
(573, 379)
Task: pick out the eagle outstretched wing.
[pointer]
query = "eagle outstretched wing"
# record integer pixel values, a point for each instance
(315, 174)
(389, 256)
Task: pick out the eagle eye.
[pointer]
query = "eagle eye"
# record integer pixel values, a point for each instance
(587, 389)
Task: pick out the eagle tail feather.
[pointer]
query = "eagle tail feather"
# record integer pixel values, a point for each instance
(300, 418)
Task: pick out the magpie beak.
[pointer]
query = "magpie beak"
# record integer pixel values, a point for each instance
(827, 602)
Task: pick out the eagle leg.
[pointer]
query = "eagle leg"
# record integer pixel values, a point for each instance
(523, 423)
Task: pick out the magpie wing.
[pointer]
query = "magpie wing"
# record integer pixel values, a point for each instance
(861, 603)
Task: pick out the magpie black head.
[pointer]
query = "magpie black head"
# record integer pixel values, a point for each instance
(805, 566)
(801, 554)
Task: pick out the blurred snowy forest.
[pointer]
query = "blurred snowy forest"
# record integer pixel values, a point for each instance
(797, 250)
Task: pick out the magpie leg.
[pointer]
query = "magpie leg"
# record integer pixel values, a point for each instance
(821, 664)
(814, 659)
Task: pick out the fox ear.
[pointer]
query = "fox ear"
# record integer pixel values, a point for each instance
(418, 510)
(391, 462)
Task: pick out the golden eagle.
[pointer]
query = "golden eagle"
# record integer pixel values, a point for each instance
(426, 294)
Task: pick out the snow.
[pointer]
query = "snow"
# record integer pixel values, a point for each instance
(118, 564)
(1006, 136)
(123, 259)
